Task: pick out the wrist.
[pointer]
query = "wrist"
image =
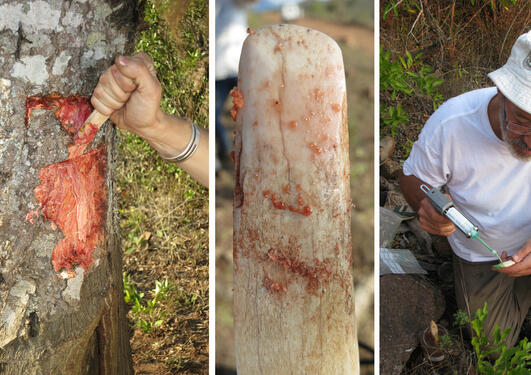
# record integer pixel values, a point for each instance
(169, 135)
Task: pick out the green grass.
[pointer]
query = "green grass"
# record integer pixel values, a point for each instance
(163, 211)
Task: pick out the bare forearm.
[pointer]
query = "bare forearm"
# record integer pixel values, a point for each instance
(410, 186)
(170, 136)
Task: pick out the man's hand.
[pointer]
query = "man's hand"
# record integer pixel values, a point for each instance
(129, 92)
(432, 221)
(522, 259)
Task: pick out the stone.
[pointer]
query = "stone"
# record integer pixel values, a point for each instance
(407, 305)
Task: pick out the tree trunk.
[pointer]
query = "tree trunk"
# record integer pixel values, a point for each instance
(58, 317)
(293, 288)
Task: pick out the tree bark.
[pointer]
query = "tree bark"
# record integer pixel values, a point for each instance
(53, 322)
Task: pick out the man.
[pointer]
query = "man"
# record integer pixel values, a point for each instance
(479, 146)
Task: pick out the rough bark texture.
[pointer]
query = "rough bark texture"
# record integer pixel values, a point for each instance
(49, 324)
(293, 290)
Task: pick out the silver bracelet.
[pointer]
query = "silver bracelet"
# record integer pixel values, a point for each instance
(190, 148)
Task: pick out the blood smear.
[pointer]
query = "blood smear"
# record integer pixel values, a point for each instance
(237, 102)
(72, 193)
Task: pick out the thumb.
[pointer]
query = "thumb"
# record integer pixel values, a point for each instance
(135, 68)
(523, 252)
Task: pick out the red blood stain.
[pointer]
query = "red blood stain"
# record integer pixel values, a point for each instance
(293, 124)
(72, 193)
(237, 102)
(279, 204)
(315, 273)
(306, 210)
(315, 148)
(318, 93)
(336, 107)
(275, 200)
(71, 111)
(274, 287)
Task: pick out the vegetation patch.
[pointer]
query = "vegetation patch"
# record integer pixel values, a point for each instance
(164, 212)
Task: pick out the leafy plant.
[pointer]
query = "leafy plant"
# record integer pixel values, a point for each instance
(510, 361)
(146, 316)
(426, 82)
(461, 318)
(182, 65)
(445, 342)
(393, 117)
(407, 147)
(402, 78)
(393, 74)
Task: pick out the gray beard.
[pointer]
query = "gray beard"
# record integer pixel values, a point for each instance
(512, 143)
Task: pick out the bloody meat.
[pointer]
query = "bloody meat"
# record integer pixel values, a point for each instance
(72, 193)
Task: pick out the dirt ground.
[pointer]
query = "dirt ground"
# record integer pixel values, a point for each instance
(357, 47)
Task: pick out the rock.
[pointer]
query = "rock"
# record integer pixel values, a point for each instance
(423, 237)
(386, 185)
(408, 304)
(390, 169)
(387, 147)
(395, 199)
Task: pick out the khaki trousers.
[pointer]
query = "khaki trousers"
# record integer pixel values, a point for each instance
(508, 299)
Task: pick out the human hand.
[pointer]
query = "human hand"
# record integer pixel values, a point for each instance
(129, 92)
(432, 221)
(522, 259)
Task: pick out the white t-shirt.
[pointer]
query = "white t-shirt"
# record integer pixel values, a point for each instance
(458, 148)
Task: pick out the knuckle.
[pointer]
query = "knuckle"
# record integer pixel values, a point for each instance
(97, 92)
(104, 79)
(122, 96)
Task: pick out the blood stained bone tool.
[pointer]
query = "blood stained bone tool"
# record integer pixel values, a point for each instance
(72, 193)
(293, 286)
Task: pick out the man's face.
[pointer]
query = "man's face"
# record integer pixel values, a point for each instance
(516, 130)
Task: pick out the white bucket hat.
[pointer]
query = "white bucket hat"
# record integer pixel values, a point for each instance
(514, 78)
